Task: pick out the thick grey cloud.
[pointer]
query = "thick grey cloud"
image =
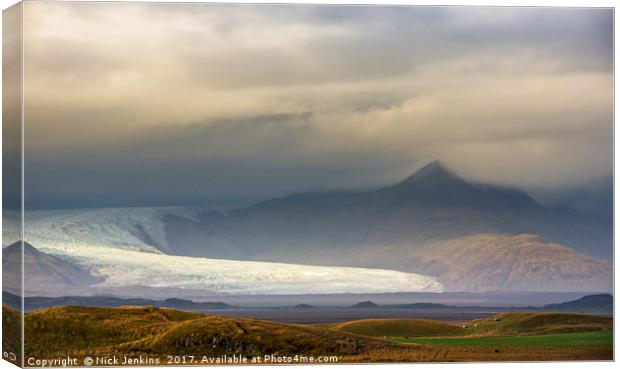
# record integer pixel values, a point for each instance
(139, 104)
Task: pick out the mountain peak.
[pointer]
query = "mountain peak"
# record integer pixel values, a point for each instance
(16, 247)
(435, 185)
(435, 166)
(435, 171)
(365, 304)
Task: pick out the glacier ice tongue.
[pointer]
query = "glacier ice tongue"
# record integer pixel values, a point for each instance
(104, 241)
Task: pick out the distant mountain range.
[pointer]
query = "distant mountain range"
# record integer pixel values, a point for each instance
(432, 205)
(34, 303)
(601, 303)
(446, 233)
(416, 305)
(417, 225)
(365, 305)
(595, 197)
(591, 303)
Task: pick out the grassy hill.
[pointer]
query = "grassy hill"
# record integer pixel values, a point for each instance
(134, 330)
(602, 338)
(11, 330)
(505, 324)
(157, 332)
(399, 328)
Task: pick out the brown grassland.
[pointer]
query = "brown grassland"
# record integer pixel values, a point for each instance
(157, 332)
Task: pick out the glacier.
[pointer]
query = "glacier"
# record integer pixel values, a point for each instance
(109, 227)
(105, 242)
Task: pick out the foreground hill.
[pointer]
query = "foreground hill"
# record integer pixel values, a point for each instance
(504, 324)
(135, 330)
(399, 328)
(156, 332)
(11, 332)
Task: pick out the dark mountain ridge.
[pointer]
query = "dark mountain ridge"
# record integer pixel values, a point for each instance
(595, 197)
(432, 205)
(591, 303)
(601, 303)
(365, 305)
(433, 186)
(436, 186)
(36, 302)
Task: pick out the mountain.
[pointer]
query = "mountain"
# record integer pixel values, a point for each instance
(415, 305)
(492, 262)
(365, 305)
(182, 304)
(393, 227)
(303, 306)
(595, 197)
(419, 305)
(35, 303)
(138, 229)
(408, 227)
(11, 300)
(590, 303)
(434, 204)
(44, 272)
(435, 186)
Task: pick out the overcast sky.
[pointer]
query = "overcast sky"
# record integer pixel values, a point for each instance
(163, 104)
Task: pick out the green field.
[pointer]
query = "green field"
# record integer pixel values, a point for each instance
(560, 339)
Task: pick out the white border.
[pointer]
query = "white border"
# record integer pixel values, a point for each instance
(521, 3)
(575, 3)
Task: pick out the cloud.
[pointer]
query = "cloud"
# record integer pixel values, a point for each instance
(143, 104)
